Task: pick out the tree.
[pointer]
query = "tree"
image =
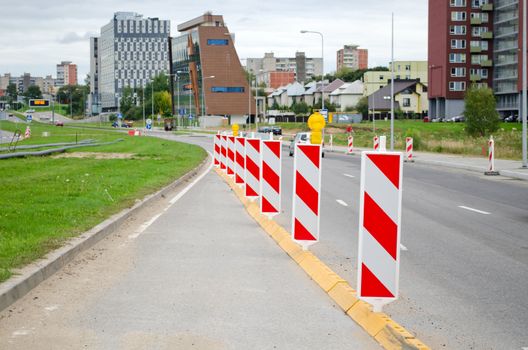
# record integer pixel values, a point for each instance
(12, 92)
(162, 103)
(300, 108)
(127, 100)
(75, 95)
(33, 92)
(480, 111)
(362, 106)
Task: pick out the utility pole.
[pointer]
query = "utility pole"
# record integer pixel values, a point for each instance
(392, 85)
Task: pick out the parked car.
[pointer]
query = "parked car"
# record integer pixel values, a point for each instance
(510, 119)
(457, 119)
(438, 120)
(265, 129)
(59, 123)
(30, 111)
(426, 119)
(301, 137)
(277, 130)
(123, 125)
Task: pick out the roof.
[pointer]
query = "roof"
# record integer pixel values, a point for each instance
(295, 89)
(332, 86)
(377, 100)
(354, 88)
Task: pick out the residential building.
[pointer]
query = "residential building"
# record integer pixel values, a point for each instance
(327, 88)
(130, 52)
(66, 74)
(410, 96)
(276, 79)
(403, 70)
(351, 56)
(347, 95)
(461, 50)
(303, 67)
(208, 72)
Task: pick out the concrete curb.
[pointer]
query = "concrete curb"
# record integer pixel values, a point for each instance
(32, 275)
(380, 326)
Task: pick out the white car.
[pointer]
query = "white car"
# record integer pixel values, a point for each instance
(301, 137)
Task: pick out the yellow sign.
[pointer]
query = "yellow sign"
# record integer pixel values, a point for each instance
(39, 103)
(235, 128)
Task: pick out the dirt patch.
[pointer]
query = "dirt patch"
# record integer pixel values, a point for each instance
(96, 155)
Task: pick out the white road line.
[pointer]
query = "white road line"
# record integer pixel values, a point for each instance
(348, 175)
(341, 202)
(404, 248)
(146, 224)
(475, 210)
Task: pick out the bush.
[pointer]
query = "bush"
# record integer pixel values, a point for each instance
(480, 111)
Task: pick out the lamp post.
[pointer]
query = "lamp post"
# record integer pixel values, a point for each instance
(203, 93)
(389, 98)
(322, 61)
(524, 87)
(392, 85)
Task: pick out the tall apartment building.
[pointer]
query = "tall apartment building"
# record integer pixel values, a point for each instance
(66, 74)
(351, 56)
(303, 67)
(461, 51)
(208, 75)
(130, 51)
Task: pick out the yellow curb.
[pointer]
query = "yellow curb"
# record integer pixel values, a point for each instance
(381, 327)
(343, 295)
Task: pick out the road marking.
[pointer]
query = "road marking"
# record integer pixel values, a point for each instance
(143, 227)
(182, 193)
(348, 175)
(341, 202)
(475, 210)
(404, 248)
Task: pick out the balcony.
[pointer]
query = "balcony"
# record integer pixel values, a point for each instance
(475, 49)
(475, 77)
(487, 7)
(486, 63)
(476, 21)
(487, 35)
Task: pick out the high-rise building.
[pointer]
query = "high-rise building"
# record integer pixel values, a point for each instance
(303, 67)
(130, 51)
(473, 42)
(208, 76)
(351, 56)
(66, 74)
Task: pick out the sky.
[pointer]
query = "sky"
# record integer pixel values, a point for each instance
(37, 35)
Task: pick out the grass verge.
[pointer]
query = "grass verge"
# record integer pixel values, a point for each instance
(46, 200)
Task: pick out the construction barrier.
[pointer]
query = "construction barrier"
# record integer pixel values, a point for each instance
(409, 149)
(306, 189)
(216, 149)
(379, 227)
(350, 149)
(382, 143)
(491, 158)
(252, 172)
(27, 134)
(231, 156)
(240, 160)
(223, 153)
(376, 143)
(270, 178)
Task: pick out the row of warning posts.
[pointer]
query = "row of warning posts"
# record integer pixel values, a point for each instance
(256, 166)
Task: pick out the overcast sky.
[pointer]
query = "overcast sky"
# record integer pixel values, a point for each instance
(36, 35)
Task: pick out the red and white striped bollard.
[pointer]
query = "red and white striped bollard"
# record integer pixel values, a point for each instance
(252, 171)
(409, 149)
(270, 178)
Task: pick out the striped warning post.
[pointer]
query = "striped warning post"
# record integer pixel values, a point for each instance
(376, 143)
(270, 178)
(216, 141)
(350, 149)
(223, 152)
(491, 158)
(379, 227)
(240, 160)
(252, 172)
(27, 134)
(306, 189)
(231, 156)
(409, 149)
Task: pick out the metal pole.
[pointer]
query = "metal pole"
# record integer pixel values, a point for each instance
(392, 87)
(256, 106)
(152, 97)
(322, 62)
(524, 83)
(178, 92)
(144, 123)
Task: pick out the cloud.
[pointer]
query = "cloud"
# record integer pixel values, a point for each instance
(72, 37)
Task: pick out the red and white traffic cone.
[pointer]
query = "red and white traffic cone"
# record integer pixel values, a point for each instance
(270, 178)
(409, 149)
(491, 158)
(350, 149)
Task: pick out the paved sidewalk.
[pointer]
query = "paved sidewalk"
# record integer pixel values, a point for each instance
(510, 168)
(203, 275)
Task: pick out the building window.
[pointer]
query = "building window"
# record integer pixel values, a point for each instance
(406, 102)
(457, 86)
(457, 3)
(458, 72)
(227, 89)
(458, 16)
(457, 58)
(218, 42)
(457, 30)
(455, 44)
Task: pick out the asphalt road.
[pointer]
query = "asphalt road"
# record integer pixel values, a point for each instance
(464, 266)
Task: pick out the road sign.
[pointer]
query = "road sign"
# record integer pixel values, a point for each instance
(324, 112)
(216, 150)
(231, 156)
(149, 121)
(39, 102)
(240, 160)
(270, 178)
(149, 126)
(29, 118)
(182, 111)
(306, 189)
(379, 227)
(119, 116)
(252, 173)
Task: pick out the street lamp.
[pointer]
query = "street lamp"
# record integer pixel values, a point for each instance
(203, 93)
(392, 85)
(524, 87)
(322, 60)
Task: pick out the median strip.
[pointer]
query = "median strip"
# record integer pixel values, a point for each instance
(380, 326)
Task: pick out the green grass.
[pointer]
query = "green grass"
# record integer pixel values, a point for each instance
(63, 109)
(47, 200)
